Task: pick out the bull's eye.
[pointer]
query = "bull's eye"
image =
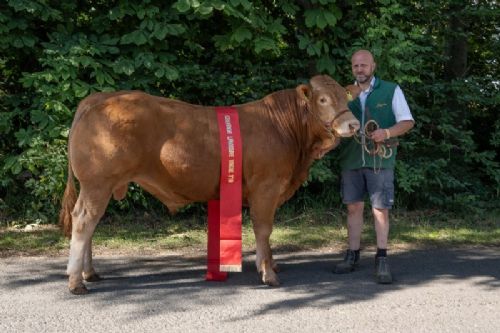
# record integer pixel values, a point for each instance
(323, 100)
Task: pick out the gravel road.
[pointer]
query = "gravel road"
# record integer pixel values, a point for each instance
(435, 290)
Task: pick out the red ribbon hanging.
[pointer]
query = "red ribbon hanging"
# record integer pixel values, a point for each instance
(224, 215)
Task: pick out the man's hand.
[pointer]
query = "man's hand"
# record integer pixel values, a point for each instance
(379, 135)
(398, 129)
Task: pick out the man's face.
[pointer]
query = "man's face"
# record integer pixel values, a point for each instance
(363, 67)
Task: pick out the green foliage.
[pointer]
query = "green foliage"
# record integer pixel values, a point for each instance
(215, 52)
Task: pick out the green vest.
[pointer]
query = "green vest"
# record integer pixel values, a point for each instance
(378, 107)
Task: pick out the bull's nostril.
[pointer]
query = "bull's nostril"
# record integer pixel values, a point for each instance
(353, 127)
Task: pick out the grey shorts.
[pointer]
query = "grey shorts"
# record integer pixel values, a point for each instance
(379, 186)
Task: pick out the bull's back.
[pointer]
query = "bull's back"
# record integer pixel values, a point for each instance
(111, 133)
(161, 143)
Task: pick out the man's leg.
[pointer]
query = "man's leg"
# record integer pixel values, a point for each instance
(353, 190)
(381, 217)
(381, 189)
(354, 229)
(355, 224)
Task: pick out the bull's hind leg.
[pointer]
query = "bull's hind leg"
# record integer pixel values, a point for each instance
(89, 208)
(262, 215)
(89, 273)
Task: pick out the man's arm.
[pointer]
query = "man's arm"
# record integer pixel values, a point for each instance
(398, 129)
(404, 119)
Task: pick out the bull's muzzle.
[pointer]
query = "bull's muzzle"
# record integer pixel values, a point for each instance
(354, 126)
(345, 124)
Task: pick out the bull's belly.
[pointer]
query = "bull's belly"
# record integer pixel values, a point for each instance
(178, 190)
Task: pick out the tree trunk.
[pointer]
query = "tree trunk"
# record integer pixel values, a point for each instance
(457, 47)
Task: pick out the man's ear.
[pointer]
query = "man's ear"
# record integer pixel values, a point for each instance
(304, 92)
(352, 91)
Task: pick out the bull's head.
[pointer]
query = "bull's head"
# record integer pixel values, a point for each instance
(328, 101)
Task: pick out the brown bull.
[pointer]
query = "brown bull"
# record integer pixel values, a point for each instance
(171, 149)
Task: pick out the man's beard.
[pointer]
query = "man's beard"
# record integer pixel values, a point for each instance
(363, 78)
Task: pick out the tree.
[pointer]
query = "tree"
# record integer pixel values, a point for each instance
(216, 52)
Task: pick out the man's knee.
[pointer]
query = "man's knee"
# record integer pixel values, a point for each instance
(355, 208)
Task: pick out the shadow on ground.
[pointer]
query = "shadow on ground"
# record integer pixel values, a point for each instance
(176, 283)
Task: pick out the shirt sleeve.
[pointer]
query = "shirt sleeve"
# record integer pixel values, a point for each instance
(400, 106)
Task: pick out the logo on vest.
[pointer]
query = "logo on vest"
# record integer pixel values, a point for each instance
(380, 105)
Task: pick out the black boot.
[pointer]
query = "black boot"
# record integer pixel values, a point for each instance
(348, 264)
(382, 271)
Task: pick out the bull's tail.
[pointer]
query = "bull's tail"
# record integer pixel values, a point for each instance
(68, 203)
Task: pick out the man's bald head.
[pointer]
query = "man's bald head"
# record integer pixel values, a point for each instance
(365, 54)
(363, 67)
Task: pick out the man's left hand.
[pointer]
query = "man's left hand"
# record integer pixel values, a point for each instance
(379, 135)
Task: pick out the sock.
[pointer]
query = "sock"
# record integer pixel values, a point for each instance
(356, 255)
(381, 253)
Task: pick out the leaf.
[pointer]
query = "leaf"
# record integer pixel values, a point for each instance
(140, 38)
(182, 6)
(40, 118)
(276, 27)
(144, 59)
(99, 77)
(205, 10)
(28, 41)
(160, 72)
(264, 44)
(246, 4)
(219, 5)
(108, 40)
(289, 8)
(18, 43)
(175, 29)
(80, 89)
(321, 21)
(160, 32)
(330, 18)
(241, 34)
(171, 73)
(24, 136)
(310, 18)
(125, 67)
(325, 64)
(137, 37)
(303, 42)
(108, 78)
(141, 13)
(16, 168)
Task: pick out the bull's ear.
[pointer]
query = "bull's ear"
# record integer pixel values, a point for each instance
(304, 92)
(352, 91)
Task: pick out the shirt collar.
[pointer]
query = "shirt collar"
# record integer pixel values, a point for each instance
(370, 88)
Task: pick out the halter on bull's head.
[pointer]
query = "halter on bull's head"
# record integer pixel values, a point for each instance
(328, 101)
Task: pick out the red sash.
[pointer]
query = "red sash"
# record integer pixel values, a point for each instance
(224, 215)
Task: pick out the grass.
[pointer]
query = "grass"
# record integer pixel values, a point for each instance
(311, 229)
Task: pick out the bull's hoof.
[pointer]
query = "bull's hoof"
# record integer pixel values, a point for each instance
(270, 281)
(276, 268)
(80, 290)
(93, 278)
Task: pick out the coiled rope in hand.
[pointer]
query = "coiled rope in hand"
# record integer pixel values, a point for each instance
(382, 150)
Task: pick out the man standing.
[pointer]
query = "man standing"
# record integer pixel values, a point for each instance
(366, 162)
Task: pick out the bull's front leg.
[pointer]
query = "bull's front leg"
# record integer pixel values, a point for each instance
(262, 215)
(264, 258)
